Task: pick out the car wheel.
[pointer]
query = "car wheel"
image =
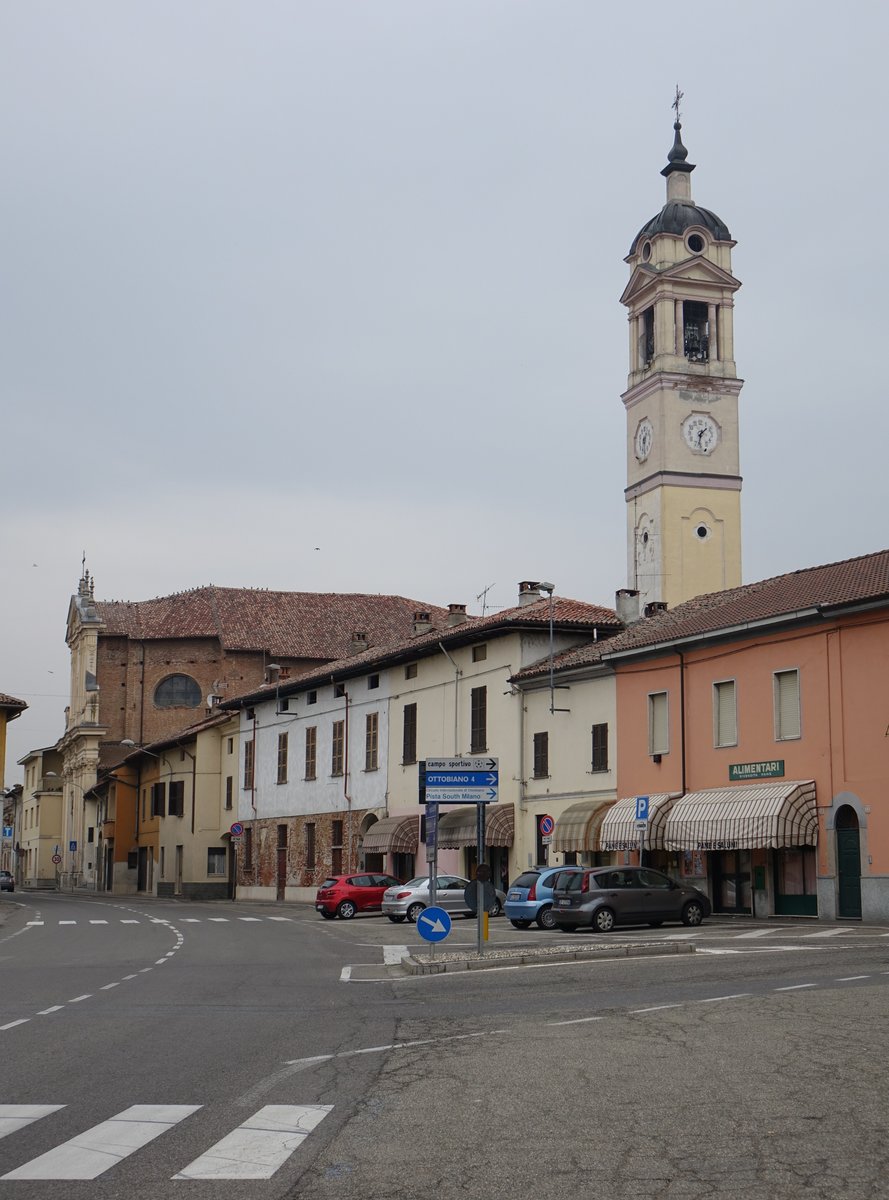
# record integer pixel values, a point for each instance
(693, 913)
(396, 920)
(413, 912)
(546, 918)
(346, 910)
(603, 920)
(521, 924)
(655, 924)
(495, 910)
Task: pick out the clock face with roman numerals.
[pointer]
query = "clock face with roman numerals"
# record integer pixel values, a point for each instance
(701, 433)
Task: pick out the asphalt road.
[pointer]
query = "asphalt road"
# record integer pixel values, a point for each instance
(260, 1038)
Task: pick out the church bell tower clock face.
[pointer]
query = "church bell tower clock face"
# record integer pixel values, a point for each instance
(643, 440)
(701, 433)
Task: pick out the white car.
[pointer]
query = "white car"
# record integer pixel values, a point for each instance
(407, 900)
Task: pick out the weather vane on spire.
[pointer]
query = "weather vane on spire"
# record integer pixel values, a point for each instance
(675, 104)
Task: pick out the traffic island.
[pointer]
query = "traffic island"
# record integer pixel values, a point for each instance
(426, 964)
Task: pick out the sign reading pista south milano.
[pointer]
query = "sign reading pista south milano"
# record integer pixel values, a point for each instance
(756, 770)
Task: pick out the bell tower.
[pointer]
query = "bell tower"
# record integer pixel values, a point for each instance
(683, 483)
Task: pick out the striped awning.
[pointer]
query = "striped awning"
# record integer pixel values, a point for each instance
(619, 830)
(577, 827)
(772, 816)
(457, 828)
(393, 835)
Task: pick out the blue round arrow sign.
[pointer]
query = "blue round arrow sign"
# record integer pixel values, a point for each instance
(433, 924)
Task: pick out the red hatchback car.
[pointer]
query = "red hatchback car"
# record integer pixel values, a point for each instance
(345, 895)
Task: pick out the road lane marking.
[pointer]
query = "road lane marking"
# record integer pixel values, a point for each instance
(681, 937)
(123, 922)
(109, 986)
(160, 962)
(392, 955)
(190, 920)
(249, 918)
(67, 922)
(261, 1145)
(757, 933)
(345, 974)
(44, 1012)
(16, 1116)
(218, 919)
(823, 933)
(131, 976)
(12, 1024)
(281, 918)
(77, 999)
(654, 1008)
(736, 996)
(578, 1021)
(95, 1151)
(795, 987)
(98, 922)
(36, 922)
(850, 978)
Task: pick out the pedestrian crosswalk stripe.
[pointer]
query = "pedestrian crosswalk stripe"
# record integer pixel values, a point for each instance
(826, 933)
(128, 921)
(98, 922)
(757, 933)
(16, 1116)
(35, 922)
(218, 918)
(249, 918)
(256, 1149)
(96, 1150)
(280, 918)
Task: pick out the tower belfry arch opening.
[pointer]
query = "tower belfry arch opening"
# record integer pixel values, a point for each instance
(681, 399)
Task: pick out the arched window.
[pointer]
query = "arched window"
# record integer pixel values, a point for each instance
(177, 691)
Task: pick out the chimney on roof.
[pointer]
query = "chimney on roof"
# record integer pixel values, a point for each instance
(656, 606)
(529, 592)
(272, 673)
(626, 604)
(456, 614)
(422, 624)
(359, 641)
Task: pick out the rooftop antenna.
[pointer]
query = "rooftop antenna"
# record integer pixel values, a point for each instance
(483, 596)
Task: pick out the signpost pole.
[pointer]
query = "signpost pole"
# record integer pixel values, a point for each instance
(479, 882)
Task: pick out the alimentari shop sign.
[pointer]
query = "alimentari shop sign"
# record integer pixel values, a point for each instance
(756, 770)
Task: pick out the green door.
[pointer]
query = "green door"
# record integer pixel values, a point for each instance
(849, 873)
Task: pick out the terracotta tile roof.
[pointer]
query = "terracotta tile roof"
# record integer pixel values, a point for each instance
(567, 615)
(11, 702)
(183, 735)
(286, 624)
(824, 588)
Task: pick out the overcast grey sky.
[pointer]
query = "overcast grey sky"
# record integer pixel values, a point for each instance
(345, 274)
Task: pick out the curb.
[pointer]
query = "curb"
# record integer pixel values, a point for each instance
(414, 965)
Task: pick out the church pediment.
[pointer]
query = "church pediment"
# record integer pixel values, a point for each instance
(691, 270)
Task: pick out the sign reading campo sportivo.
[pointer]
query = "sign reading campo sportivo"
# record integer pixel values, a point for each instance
(760, 770)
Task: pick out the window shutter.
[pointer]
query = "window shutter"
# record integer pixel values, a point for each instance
(726, 712)
(787, 719)
(657, 724)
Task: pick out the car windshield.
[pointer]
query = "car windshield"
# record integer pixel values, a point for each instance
(418, 882)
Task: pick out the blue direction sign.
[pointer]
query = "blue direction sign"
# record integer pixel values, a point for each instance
(461, 780)
(433, 924)
(8, 831)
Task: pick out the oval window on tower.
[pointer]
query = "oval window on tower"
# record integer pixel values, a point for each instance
(695, 243)
(646, 251)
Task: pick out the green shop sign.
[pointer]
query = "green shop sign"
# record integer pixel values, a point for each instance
(760, 770)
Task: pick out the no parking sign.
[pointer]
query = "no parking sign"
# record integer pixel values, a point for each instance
(546, 825)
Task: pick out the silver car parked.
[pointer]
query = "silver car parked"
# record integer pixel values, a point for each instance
(407, 900)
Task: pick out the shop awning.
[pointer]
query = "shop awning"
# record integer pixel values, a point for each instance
(393, 835)
(619, 830)
(771, 816)
(577, 828)
(457, 828)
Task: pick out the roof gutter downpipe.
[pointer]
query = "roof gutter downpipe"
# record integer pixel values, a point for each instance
(682, 718)
(457, 674)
